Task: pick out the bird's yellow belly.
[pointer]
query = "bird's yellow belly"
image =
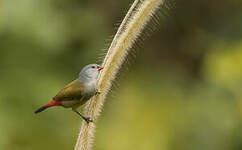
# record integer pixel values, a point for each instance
(71, 103)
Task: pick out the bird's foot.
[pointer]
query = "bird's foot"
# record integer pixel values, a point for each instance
(87, 119)
(97, 92)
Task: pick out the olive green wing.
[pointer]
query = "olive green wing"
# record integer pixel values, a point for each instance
(72, 91)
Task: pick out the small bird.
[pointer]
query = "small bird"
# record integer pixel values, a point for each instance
(78, 92)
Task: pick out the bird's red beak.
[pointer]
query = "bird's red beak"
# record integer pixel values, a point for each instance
(99, 69)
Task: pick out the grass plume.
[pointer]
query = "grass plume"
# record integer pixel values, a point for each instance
(133, 24)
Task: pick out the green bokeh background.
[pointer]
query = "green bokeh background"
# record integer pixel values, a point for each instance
(182, 90)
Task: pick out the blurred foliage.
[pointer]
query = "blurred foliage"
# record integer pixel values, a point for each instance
(183, 91)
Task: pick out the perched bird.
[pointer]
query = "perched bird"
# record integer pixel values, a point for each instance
(78, 92)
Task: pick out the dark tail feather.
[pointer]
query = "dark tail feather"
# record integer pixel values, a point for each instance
(50, 104)
(40, 109)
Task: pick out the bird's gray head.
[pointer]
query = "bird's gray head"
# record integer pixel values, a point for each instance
(89, 72)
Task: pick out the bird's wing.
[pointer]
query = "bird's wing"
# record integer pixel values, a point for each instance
(72, 91)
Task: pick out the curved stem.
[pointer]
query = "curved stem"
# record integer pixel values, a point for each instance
(128, 33)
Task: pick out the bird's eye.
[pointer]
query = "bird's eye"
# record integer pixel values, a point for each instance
(93, 66)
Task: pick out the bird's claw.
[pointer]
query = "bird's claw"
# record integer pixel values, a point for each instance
(87, 119)
(97, 93)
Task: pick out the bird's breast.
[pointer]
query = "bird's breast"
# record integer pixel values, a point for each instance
(90, 88)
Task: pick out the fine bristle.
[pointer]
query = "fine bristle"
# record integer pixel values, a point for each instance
(40, 109)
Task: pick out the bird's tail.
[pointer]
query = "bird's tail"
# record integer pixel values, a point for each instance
(40, 109)
(50, 104)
